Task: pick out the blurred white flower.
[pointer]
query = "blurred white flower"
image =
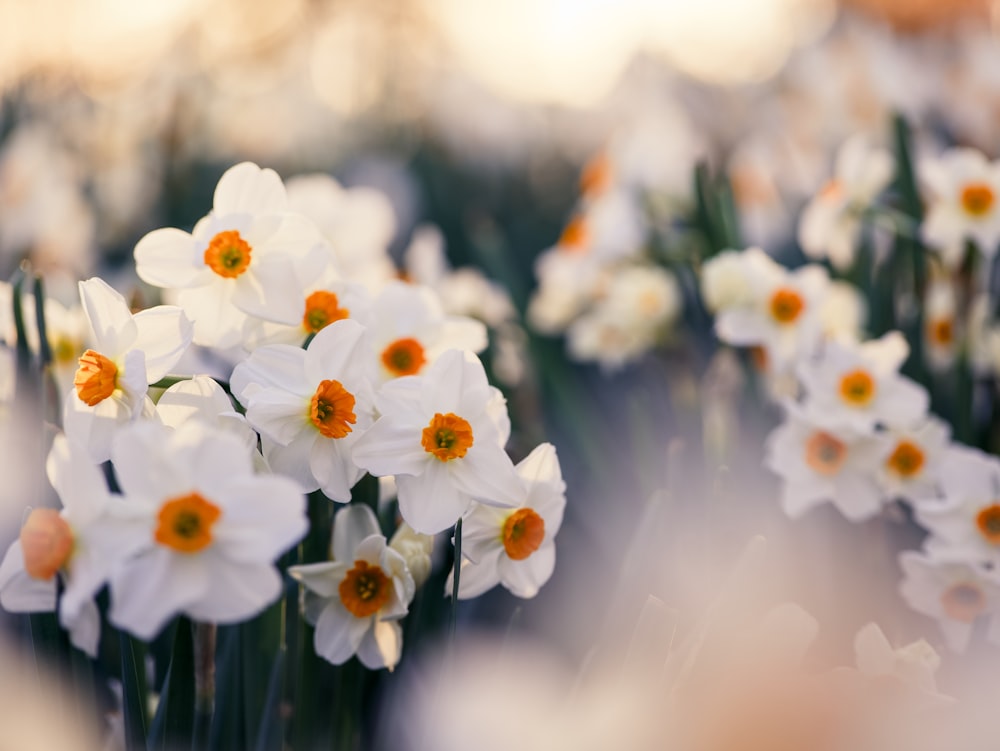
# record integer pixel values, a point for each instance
(439, 434)
(782, 314)
(954, 591)
(358, 223)
(941, 326)
(355, 600)
(132, 351)
(963, 206)
(210, 528)
(311, 406)
(82, 544)
(831, 223)
(910, 459)
(844, 312)
(913, 665)
(821, 463)
(515, 548)
(724, 280)
(859, 387)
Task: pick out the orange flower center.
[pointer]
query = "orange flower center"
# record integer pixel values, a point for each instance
(185, 523)
(96, 379)
(523, 533)
(977, 199)
(365, 590)
(596, 175)
(228, 254)
(963, 602)
(447, 437)
(857, 388)
(322, 309)
(832, 190)
(906, 460)
(988, 522)
(404, 357)
(941, 331)
(825, 454)
(332, 409)
(46, 543)
(575, 235)
(786, 305)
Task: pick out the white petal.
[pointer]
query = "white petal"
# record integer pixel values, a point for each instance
(321, 578)
(217, 322)
(524, 578)
(155, 586)
(169, 258)
(338, 633)
(430, 503)
(873, 653)
(277, 366)
(292, 460)
(85, 628)
(94, 427)
(20, 593)
(109, 316)
(143, 468)
(487, 474)
(78, 481)
(476, 578)
(263, 517)
(280, 415)
(337, 349)
(390, 447)
(236, 591)
(331, 464)
(164, 334)
(270, 290)
(198, 398)
(351, 526)
(382, 646)
(245, 188)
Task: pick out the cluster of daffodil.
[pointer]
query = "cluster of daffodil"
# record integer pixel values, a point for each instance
(858, 433)
(332, 369)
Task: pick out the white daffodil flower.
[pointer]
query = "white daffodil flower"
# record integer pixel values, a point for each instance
(783, 312)
(859, 387)
(210, 528)
(953, 590)
(442, 436)
(831, 222)
(913, 665)
(967, 520)
(941, 324)
(356, 600)
(410, 330)
(130, 352)
(909, 460)
(820, 463)
(964, 204)
(311, 406)
(239, 260)
(82, 544)
(515, 547)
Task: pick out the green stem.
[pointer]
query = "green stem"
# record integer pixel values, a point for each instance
(453, 625)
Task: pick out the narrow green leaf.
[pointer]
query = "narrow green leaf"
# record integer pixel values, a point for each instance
(133, 692)
(453, 624)
(173, 724)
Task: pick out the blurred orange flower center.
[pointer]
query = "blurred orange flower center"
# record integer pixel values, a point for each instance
(447, 437)
(832, 190)
(988, 522)
(322, 309)
(523, 533)
(824, 453)
(857, 388)
(941, 331)
(977, 199)
(404, 357)
(365, 590)
(332, 409)
(963, 602)
(228, 254)
(906, 460)
(96, 378)
(185, 523)
(575, 236)
(786, 305)
(596, 175)
(46, 543)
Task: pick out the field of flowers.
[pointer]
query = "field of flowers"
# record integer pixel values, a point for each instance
(357, 396)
